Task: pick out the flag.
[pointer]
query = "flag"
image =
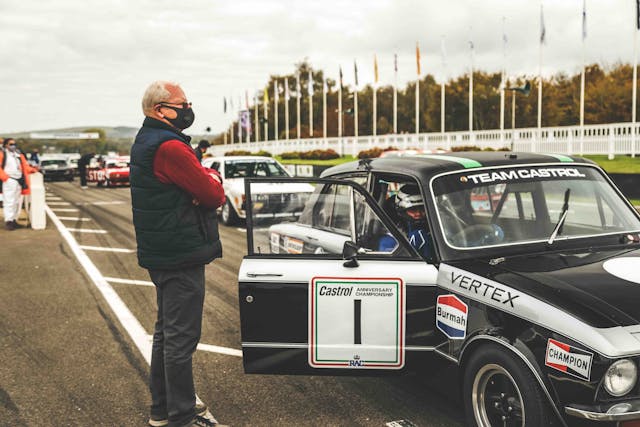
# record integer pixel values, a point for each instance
(224, 104)
(286, 89)
(638, 14)
(325, 89)
(246, 99)
(310, 84)
(298, 85)
(375, 67)
(341, 74)
(584, 19)
(395, 61)
(471, 45)
(276, 95)
(418, 58)
(543, 30)
(265, 97)
(355, 71)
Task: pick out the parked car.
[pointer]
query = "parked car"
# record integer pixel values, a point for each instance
(273, 199)
(56, 169)
(110, 171)
(531, 299)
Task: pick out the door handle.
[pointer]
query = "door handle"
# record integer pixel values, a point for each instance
(264, 275)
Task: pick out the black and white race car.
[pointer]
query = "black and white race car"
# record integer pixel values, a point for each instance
(530, 287)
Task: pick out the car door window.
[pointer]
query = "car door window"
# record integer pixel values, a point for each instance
(317, 219)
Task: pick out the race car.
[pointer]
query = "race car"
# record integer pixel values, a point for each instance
(533, 301)
(56, 169)
(111, 171)
(273, 200)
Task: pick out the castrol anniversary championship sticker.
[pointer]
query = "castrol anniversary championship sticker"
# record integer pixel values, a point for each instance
(568, 359)
(356, 323)
(451, 316)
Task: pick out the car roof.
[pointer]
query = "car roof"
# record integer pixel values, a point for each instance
(424, 166)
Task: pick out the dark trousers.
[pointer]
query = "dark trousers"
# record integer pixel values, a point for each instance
(83, 176)
(177, 332)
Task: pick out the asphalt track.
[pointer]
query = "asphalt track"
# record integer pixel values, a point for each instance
(100, 221)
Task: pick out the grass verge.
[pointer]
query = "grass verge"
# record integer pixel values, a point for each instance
(620, 164)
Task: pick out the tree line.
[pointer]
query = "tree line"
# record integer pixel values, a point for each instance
(607, 100)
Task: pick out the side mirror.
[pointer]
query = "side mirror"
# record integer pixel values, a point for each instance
(350, 253)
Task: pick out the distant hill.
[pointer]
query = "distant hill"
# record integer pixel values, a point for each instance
(111, 132)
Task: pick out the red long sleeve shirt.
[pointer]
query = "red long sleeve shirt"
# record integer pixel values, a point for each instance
(176, 163)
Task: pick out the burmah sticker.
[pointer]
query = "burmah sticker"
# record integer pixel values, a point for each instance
(567, 359)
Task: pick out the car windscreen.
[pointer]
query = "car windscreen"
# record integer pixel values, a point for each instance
(250, 169)
(54, 163)
(513, 205)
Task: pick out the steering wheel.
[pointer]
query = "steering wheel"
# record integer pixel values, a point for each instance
(478, 235)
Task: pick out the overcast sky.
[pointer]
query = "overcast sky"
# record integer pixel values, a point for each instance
(87, 63)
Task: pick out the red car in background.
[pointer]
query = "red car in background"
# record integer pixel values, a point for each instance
(111, 171)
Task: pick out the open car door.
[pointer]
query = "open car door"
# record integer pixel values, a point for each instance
(317, 296)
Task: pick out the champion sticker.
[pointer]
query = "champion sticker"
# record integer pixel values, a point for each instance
(567, 359)
(293, 246)
(451, 316)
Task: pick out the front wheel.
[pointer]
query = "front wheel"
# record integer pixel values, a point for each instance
(499, 390)
(228, 214)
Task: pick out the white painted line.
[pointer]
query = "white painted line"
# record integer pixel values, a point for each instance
(53, 198)
(104, 203)
(98, 248)
(64, 210)
(222, 350)
(72, 218)
(122, 312)
(244, 230)
(87, 230)
(58, 203)
(128, 281)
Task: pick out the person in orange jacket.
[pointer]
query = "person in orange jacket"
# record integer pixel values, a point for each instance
(14, 174)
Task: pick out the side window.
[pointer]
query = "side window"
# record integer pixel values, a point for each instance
(215, 165)
(317, 218)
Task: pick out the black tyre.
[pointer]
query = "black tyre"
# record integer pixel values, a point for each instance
(228, 214)
(500, 390)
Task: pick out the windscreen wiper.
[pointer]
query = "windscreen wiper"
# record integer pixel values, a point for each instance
(563, 215)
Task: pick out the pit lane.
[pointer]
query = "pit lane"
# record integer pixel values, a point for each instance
(100, 221)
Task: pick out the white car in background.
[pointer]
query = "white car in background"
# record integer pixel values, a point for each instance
(270, 200)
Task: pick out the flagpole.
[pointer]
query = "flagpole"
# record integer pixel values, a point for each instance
(275, 109)
(239, 125)
(256, 115)
(265, 107)
(324, 107)
(471, 89)
(395, 93)
(502, 82)
(286, 107)
(246, 104)
(635, 81)
(355, 102)
(298, 104)
(340, 107)
(542, 39)
(231, 132)
(310, 89)
(582, 82)
(375, 95)
(418, 89)
(442, 84)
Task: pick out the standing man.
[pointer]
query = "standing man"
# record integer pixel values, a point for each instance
(203, 146)
(14, 174)
(174, 202)
(83, 162)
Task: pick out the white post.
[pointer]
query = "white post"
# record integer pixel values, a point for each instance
(395, 95)
(582, 103)
(286, 107)
(256, 115)
(265, 107)
(36, 211)
(340, 113)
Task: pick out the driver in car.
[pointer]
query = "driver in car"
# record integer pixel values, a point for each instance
(413, 222)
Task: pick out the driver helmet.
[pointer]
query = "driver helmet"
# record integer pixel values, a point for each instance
(409, 204)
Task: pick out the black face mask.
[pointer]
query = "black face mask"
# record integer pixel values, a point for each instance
(184, 118)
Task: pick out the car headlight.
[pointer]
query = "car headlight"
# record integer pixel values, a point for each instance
(620, 378)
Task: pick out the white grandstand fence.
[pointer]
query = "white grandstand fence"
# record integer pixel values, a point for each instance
(611, 139)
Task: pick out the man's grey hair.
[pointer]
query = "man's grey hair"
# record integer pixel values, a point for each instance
(156, 93)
